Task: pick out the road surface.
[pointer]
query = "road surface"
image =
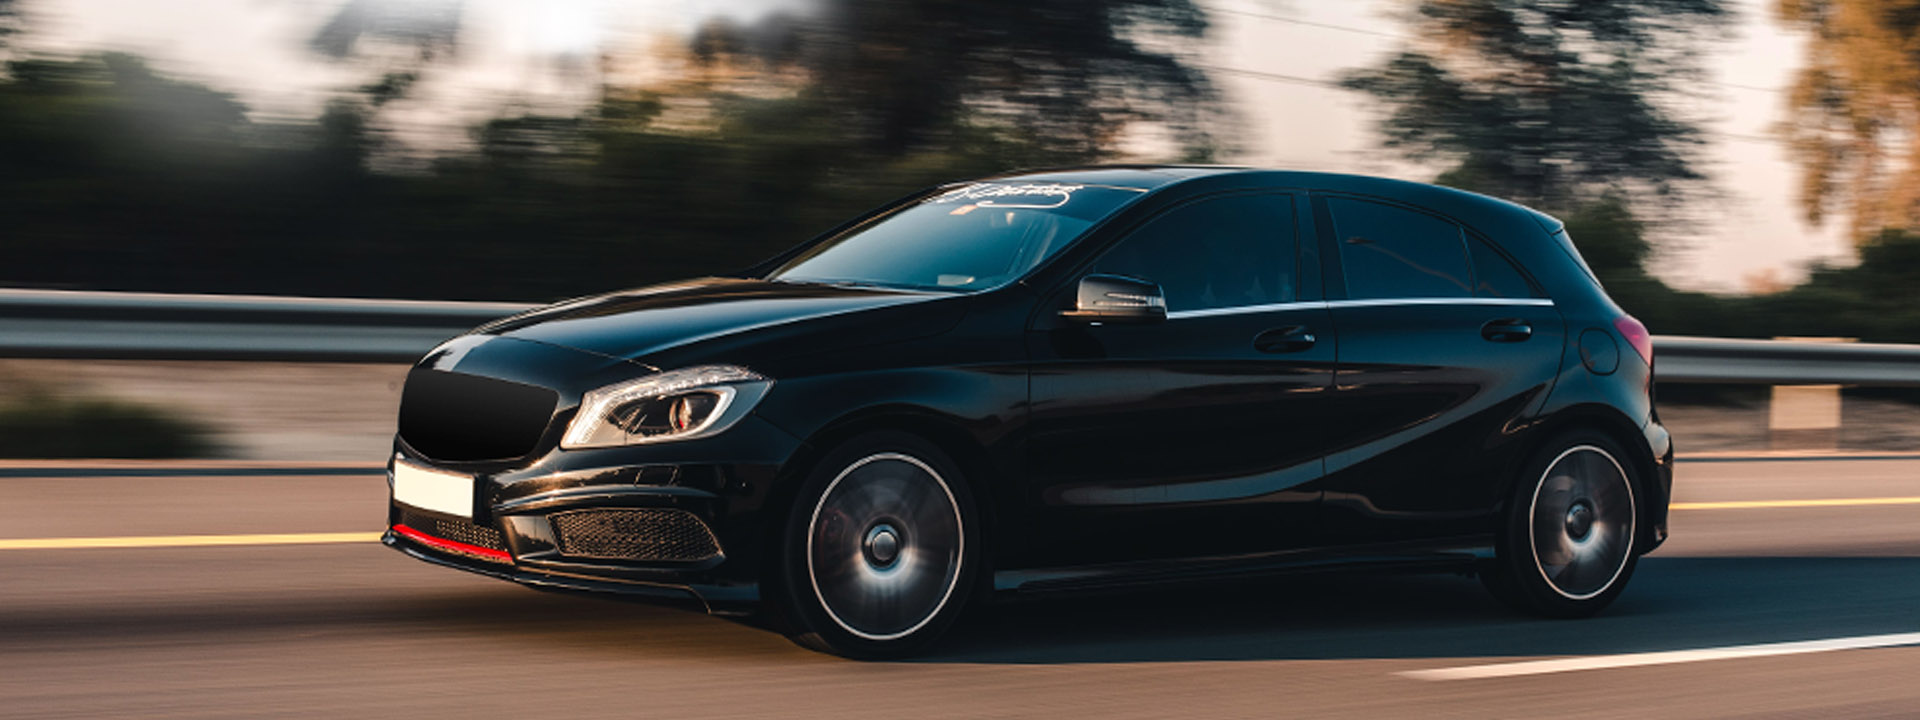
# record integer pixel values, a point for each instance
(1765, 552)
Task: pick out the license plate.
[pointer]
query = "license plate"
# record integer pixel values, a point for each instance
(433, 490)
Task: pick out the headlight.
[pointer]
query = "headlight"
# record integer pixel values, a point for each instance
(674, 405)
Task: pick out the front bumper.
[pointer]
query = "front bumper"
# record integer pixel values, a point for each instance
(667, 593)
(666, 522)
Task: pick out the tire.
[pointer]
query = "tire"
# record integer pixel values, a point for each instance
(1568, 542)
(879, 550)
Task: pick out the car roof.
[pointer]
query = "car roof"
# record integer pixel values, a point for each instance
(1158, 177)
(1144, 177)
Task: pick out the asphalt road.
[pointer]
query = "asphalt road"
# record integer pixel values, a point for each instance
(356, 630)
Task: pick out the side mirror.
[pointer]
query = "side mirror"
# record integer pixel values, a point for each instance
(1117, 299)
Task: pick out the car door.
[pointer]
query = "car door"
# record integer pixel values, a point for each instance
(1444, 347)
(1191, 436)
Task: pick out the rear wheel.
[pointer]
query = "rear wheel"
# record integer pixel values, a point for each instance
(1567, 545)
(878, 548)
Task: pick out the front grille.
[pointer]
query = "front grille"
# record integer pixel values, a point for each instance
(459, 531)
(466, 418)
(641, 534)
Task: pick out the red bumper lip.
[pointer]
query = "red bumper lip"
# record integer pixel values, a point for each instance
(445, 545)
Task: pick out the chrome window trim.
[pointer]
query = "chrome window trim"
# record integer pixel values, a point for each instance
(1246, 309)
(1370, 302)
(1379, 302)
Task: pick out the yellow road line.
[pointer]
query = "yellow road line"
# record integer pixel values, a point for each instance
(1828, 502)
(161, 541)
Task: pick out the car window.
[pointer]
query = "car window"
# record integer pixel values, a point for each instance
(973, 237)
(1392, 252)
(1223, 252)
(1494, 276)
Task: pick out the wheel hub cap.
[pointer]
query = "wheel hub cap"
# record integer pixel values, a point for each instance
(882, 546)
(1580, 520)
(1582, 523)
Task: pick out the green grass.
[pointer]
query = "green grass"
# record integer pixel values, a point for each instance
(42, 425)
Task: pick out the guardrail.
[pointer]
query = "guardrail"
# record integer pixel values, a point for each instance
(1680, 359)
(66, 324)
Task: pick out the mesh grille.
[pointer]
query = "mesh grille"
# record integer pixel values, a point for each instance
(645, 534)
(456, 530)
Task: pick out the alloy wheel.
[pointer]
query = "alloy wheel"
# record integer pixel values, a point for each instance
(1581, 523)
(884, 546)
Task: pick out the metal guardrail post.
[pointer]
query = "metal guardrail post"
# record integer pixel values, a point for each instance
(1805, 417)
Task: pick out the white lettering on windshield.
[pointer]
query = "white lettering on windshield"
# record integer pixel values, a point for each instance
(1039, 196)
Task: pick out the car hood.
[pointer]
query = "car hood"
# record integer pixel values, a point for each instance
(635, 324)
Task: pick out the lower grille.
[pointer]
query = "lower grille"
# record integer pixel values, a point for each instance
(459, 531)
(641, 534)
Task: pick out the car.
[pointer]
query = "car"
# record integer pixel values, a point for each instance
(1058, 380)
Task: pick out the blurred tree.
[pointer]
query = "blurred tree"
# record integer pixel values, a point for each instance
(1065, 75)
(401, 41)
(116, 178)
(9, 20)
(426, 27)
(1855, 110)
(1549, 102)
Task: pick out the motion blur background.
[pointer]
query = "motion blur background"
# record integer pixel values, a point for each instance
(1730, 168)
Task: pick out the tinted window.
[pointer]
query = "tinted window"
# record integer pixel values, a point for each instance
(1225, 252)
(1494, 276)
(1393, 252)
(973, 237)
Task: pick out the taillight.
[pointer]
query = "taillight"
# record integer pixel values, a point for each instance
(1636, 335)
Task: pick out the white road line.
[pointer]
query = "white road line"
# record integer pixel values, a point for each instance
(1602, 662)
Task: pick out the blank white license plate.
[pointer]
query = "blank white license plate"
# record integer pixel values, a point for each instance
(441, 492)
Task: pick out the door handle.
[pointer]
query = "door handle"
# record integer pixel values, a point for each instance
(1506, 330)
(1292, 338)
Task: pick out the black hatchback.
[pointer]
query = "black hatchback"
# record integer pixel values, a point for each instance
(1059, 380)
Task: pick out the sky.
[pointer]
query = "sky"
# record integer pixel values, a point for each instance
(532, 54)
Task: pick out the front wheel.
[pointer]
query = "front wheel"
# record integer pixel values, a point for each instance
(878, 549)
(1567, 545)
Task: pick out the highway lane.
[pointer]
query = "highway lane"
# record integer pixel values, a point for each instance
(358, 630)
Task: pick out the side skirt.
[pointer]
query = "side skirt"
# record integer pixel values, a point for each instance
(1452, 555)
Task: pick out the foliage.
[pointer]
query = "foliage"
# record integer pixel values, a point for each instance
(1875, 301)
(1549, 102)
(118, 178)
(41, 425)
(1855, 108)
(1066, 75)
(9, 19)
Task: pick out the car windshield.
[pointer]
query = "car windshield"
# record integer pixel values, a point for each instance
(975, 237)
